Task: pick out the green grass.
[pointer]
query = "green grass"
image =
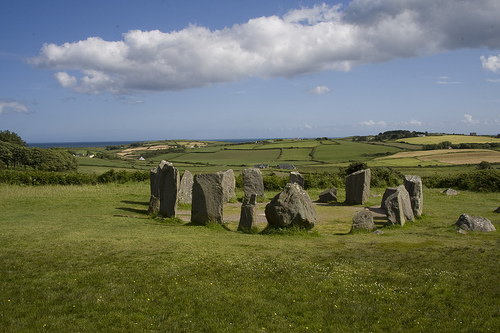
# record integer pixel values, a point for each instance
(454, 139)
(231, 157)
(350, 151)
(88, 259)
(300, 154)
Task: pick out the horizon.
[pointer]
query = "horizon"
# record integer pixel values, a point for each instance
(122, 71)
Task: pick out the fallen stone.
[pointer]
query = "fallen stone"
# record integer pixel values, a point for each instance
(291, 207)
(357, 187)
(413, 185)
(378, 232)
(296, 177)
(207, 205)
(363, 220)
(450, 191)
(186, 188)
(248, 217)
(398, 207)
(252, 182)
(474, 223)
(328, 195)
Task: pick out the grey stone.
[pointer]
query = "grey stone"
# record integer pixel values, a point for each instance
(387, 193)
(474, 223)
(357, 187)
(413, 185)
(252, 182)
(450, 191)
(296, 177)
(154, 184)
(378, 232)
(328, 195)
(228, 185)
(186, 188)
(169, 188)
(497, 210)
(363, 220)
(398, 207)
(462, 231)
(248, 217)
(207, 205)
(292, 206)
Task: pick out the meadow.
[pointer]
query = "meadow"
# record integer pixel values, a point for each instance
(89, 258)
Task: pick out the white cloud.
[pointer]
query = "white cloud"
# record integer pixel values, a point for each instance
(307, 126)
(492, 63)
(493, 80)
(372, 123)
(303, 41)
(319, 90)
(468, 120)
(415, 122)
(9, 105)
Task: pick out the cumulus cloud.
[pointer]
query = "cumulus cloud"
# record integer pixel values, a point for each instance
(468, 120)
(492, 63)
(372, 123)
(415, 122)
(319, 90)
(303, 41)
(9, 105)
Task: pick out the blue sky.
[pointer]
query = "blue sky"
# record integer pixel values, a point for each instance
(152, 70)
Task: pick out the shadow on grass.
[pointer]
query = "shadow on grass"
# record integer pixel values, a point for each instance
(290, 231)
(134, 210)
(141, 203)
(210, 225)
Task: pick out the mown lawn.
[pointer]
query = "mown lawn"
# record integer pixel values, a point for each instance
(88, 259)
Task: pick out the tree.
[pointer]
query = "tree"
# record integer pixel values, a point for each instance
(11, 137)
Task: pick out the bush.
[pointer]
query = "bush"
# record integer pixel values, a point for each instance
(478, 180)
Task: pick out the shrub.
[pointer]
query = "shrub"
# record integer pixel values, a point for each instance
(477, 180)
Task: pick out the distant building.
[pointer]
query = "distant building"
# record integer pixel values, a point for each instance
(261, 166)
(286, 166)
(473, 133)
(142, 158)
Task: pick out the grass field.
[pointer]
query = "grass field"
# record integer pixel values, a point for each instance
(88, 259)
(347, 151)
(454, 139)
(441, 156)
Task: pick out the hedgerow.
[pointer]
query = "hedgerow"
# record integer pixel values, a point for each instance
(487, 180)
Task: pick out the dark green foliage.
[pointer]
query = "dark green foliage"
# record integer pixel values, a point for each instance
(353, 167)
(385, 177)
(11, 137)
(484, 165)
(323, 180)
(478, 180)
(274, 182)
(17, 156)
(469, 145)
(37, 177)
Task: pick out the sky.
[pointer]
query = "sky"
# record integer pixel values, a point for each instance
(195, 69)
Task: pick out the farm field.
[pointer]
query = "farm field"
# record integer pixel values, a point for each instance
(449, 156)
(88, 258)
(454, 139)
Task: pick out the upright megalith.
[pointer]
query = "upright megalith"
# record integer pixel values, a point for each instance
(169, 188)
(413, 185)
(398, 207)
(186, 188)
(228, 185)
(252, 182)
(474, 223)
(357, 187)
(296, 177)
(208, 204)
(387, 193)
(291, 207)
(248, 217)
(154, 184)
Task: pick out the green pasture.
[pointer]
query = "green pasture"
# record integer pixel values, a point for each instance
(231, 157)
(299, 154)
(454, 139)
(289, 143)
(347, 151)
(89, 259)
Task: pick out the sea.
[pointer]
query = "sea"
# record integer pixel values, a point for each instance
(99, 144)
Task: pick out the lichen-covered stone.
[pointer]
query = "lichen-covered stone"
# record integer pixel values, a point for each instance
(413, 185)
(474, 223)
(207, 205)
(357, 187)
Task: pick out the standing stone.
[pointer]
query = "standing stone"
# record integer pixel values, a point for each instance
(207, 205)
(398, 207)
(296, 177)
(413, 185)
(363, 220)
(387, 193)
(186, 188)
(474, 223)
(228, 185)
(248, 217)
(328, 195)
(357, 187)
(252, 182)
(169, 188)
(292, 206)
(154, 184)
